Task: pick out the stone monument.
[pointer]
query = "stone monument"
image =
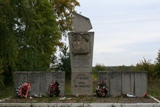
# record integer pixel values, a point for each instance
(81, 52)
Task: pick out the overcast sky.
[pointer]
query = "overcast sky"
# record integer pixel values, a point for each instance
(126, 31)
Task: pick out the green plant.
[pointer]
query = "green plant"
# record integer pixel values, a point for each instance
(68, 86)
(90, 99)
(32, 105)
(88, 105)
(50, 99)
(153, 88)
(39, 99)
(6, 92)
(77, 100)
(113, 105)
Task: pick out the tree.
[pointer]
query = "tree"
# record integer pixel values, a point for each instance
(31, 31)
(8, 46)
(46, 21)
(158, 57)
(64, 63)
(157, 65)
(147, 66)
(97, 68)
(39, 37)
(64, 10)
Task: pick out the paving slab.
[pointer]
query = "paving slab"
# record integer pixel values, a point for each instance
(80, 104)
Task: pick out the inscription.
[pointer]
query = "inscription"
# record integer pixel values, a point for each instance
(81, 83)
(82, 80)
(84, 86)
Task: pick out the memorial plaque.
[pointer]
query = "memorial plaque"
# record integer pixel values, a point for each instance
(81, 59)
(81, 63)
(81, 83)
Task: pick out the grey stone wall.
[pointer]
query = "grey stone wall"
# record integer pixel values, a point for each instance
(39, 80)
(120, 83)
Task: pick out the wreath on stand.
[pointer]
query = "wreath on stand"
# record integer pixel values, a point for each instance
(23, 90)
(102, 89)
(53, 89)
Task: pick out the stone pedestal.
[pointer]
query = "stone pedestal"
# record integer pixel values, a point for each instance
(81, 52)
(81, 83)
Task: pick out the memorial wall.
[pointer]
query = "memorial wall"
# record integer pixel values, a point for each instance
(39, 81)
(119, 83)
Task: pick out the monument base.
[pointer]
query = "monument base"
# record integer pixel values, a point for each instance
(81, 83)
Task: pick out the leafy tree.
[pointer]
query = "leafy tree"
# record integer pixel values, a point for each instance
(39, 37)
(158, 57)
(31, 32)
(147, 66)
(8, 46)
(157, 65)
(119, 68)
(64, 63)
(97, 68)
(64, 10)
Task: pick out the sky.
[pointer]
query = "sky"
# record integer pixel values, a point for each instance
(126, 31)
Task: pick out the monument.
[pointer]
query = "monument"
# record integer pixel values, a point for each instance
(125, 82)
(81, 52)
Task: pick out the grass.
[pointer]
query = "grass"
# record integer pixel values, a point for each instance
(154, 88)
(68, 87)
(6, 92)
(91, 99)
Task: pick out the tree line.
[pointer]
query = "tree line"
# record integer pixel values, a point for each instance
(152, 69)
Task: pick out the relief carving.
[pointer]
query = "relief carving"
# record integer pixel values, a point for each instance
(81, 43)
